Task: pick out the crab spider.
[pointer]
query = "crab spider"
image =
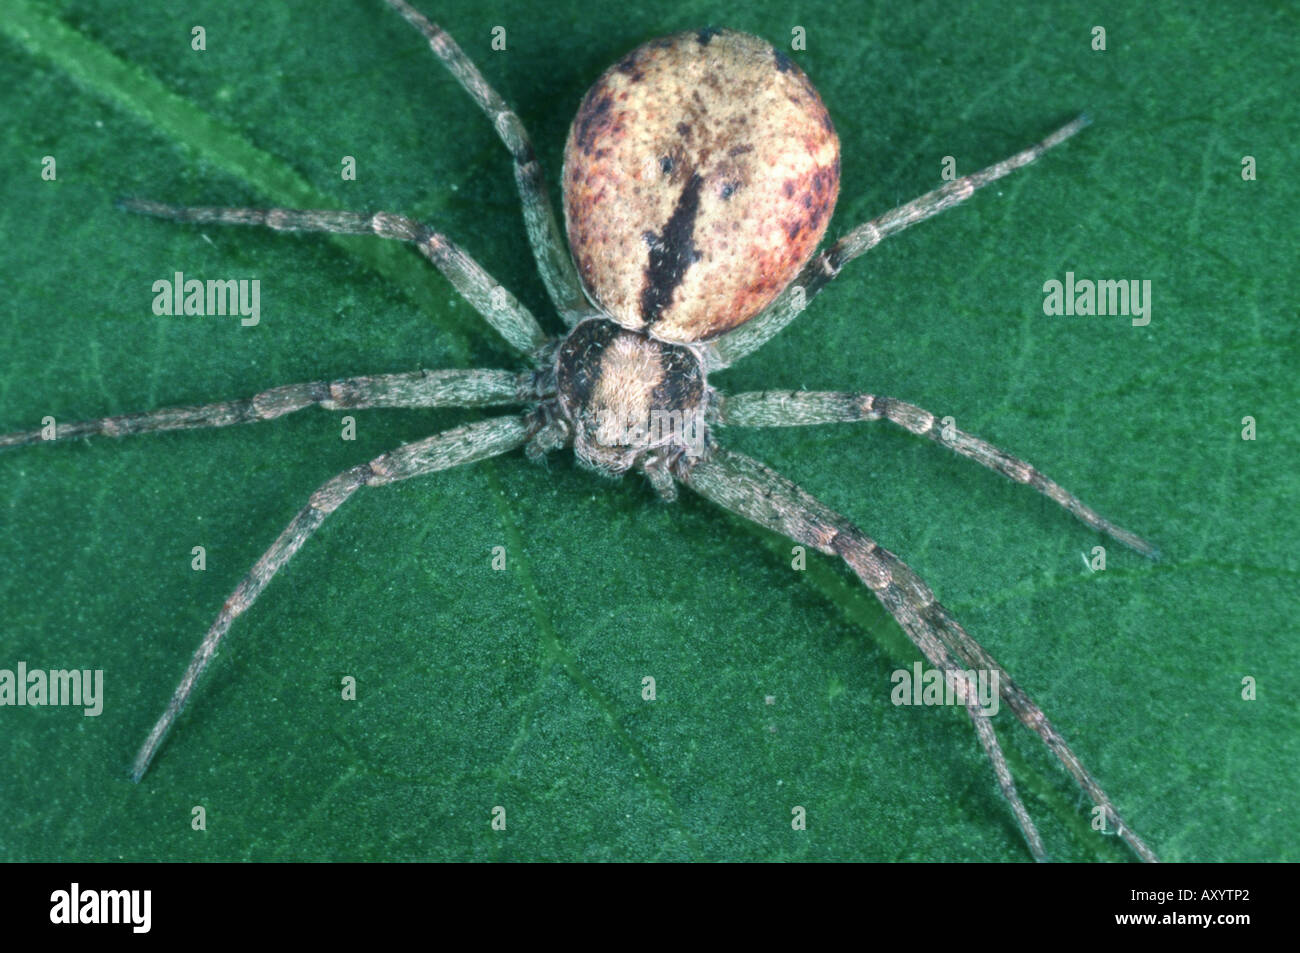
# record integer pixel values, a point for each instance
(700, 175)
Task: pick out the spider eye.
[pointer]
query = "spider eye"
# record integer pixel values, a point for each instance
(665, 165)
(728, 190)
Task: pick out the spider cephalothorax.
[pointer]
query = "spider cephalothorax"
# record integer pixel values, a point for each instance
(631, 401)
(700, 173)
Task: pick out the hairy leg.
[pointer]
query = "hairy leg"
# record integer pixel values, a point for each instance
(798, 408)
(549, 248)
(511, 319)
(745, 486)
(476, 388)
(818, 273)
(451, 448)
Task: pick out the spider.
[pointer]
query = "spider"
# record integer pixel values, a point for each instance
(700, 174)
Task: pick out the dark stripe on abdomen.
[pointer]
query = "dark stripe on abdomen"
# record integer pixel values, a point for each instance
(671, 253)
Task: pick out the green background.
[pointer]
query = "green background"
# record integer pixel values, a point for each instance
(522, 688)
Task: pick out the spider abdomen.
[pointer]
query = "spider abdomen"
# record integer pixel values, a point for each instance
(627, 395)
(700, 173)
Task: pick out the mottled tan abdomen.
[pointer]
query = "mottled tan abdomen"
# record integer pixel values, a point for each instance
(699, 176)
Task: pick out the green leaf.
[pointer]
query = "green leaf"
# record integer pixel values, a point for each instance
(522, 688)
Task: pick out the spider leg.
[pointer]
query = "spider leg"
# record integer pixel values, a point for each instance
(511, 319)
(818, 273)
(451, 388)
(1032, 717)
(451, 448)
(747, 487)
(549, 248)
(796, 408)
